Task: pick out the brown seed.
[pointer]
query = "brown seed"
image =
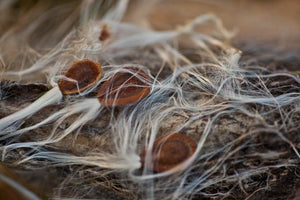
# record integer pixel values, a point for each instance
(124, 88)
(170, 151)
(104, 34)
(85, 72)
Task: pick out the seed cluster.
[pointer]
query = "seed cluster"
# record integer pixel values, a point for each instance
(127, 88)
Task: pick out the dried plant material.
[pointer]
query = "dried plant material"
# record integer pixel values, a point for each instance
(240, 107)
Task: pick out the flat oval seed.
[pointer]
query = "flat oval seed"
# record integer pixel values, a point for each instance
(170, 151)
(124, 88)
(104, 34)
(85, 72)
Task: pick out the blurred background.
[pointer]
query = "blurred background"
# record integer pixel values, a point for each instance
(271, 21)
